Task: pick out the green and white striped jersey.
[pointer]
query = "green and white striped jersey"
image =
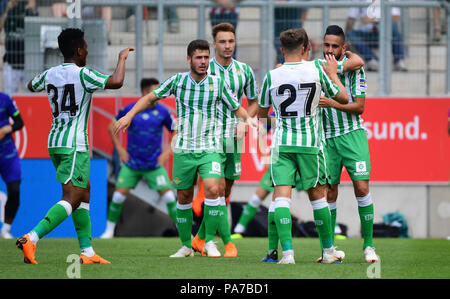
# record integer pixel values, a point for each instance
(337, 122)
(240, 78)
(69, 88)
(294, 92)
(196, 104)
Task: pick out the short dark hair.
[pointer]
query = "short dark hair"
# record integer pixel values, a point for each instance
(335, 30)
(69, 40)
(294, 39)
(147, 82)
(198, 44)
(222, 27)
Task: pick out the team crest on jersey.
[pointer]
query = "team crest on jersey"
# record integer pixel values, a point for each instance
(155, 112)
(145, 116)
(177, 181)
(211, 87)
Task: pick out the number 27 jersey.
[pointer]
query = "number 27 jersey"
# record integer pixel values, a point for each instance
(294, 92)
(69, 90)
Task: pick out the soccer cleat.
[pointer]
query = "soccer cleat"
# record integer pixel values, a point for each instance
(95, 259)
(287, 259)
(332, 256)
(197, 244)
(183, 252)
(370, 255)
(339, 254)
(271, 257)
(28, 249)
(230, 250)
(107, 235)
(236, 236)
(6, 235)
(211, 250)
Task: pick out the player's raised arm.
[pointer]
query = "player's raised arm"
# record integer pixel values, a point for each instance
(330, 69)
(141, 105)
(115, 81)
(353, 62)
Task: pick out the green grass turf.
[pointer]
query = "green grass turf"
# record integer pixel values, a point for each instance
(149, 258)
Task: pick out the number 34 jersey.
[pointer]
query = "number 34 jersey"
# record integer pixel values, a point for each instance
(294, 91)
(69, 90)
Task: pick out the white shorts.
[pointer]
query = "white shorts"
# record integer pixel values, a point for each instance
(11, 79)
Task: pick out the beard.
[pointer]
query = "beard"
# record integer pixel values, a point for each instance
(338, 57)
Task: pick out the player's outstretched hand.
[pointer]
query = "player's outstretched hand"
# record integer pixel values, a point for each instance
(124, 53)
(122, 124)
(330, 67)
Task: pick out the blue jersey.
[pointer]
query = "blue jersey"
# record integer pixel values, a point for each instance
(8, 109)
(145, 135)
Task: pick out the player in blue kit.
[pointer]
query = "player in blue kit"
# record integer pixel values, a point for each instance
(143, 157)
(9, 160)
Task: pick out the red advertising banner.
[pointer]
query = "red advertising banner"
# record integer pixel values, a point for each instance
(408, 137)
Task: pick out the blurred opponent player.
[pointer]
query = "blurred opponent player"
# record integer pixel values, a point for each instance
(347, 143)
(195, 150)
(240, 78)
(10, 170)
(70, 87)
(143, 157)
(294, 92)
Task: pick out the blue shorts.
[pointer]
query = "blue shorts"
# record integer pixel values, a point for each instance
(10, 169)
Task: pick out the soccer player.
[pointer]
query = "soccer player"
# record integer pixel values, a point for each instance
(347, 143)
(10, 170)
(70, 87)
(240, 78)
(294, 92)
(143, 157)
(197, 96)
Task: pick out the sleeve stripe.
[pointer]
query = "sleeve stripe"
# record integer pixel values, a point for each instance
(92, 81)
(82, 82)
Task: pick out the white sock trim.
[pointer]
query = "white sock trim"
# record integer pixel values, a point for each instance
(282, 202)
(272, 206)
(332, 205)
(184, 207)
(222, 201)
(212, 202)
(319, 204)
(66, 205)
(255, 201)
(84, 205)
(118, 198)
(168, 197)
(364, 201)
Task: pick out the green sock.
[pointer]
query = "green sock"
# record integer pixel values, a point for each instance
(55, 216)
(283, 222)
(333, 220)
(172, 210)
(272, 233)
(224, 225)
(366, 217)
(114, 211)
(82, 223)
(211, 217)
(247, 215)
(322, 218)
(201, 230)
(184, 223)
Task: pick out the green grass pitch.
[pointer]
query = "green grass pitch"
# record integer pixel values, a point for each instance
(149, 258)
